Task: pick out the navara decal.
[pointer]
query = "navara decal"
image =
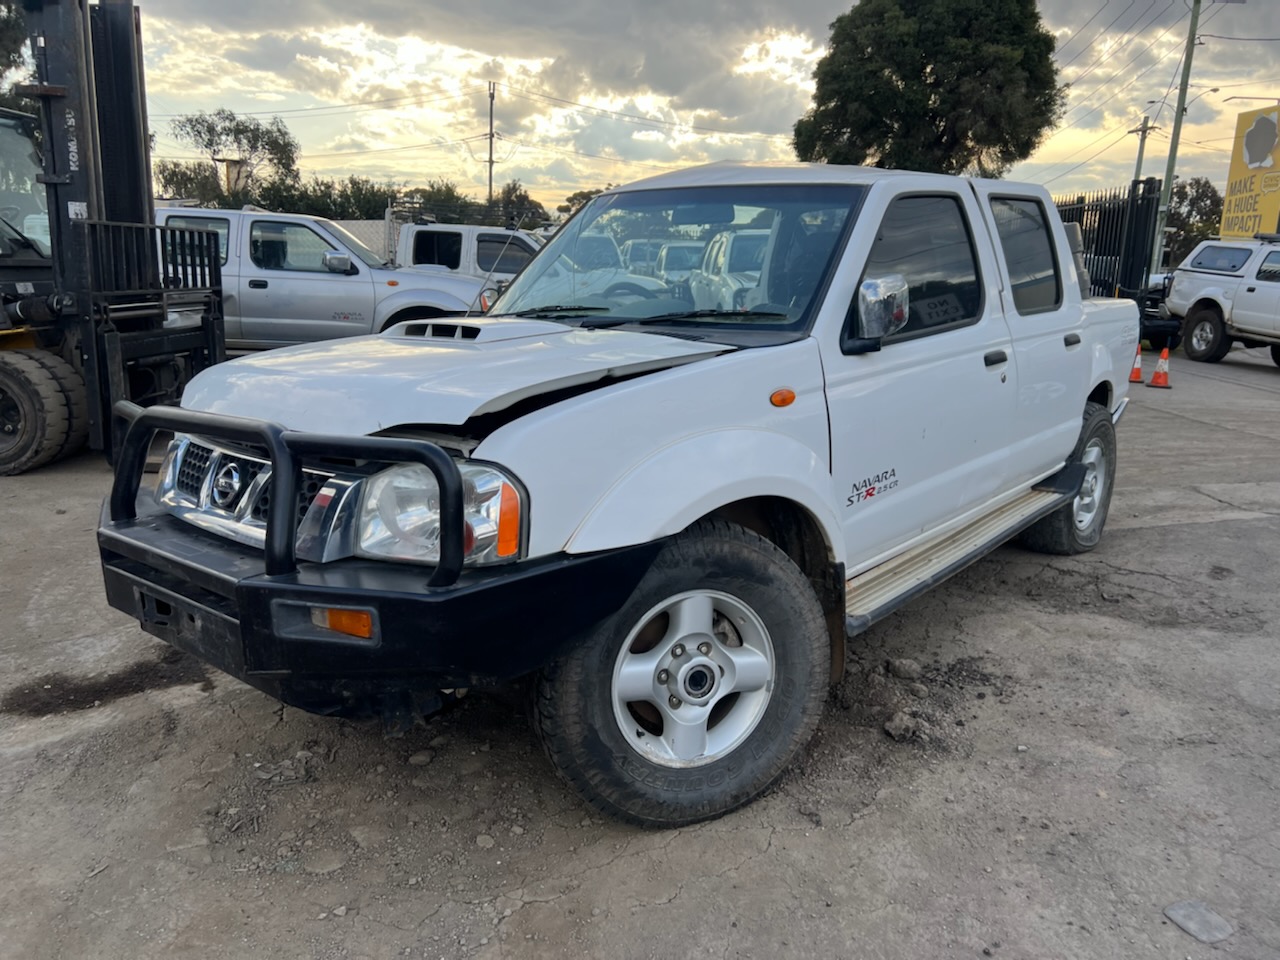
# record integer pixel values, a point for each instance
(341, 316)
(872, 486)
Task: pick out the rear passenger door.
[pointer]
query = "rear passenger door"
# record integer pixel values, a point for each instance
(920, 427)
(1257, 302)
(1046, 321)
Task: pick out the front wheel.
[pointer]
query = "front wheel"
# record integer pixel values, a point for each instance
(693, 698)
(1076, 527)
(1206, 336)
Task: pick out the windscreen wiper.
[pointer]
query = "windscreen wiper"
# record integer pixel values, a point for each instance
(22, 238)
(555, 310)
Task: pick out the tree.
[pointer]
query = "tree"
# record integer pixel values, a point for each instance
(516, 206)
(1195, 213)
(243, 152)
(355, 198)
(576, 200)
(443, 200)
(947, 86)
(13, 37)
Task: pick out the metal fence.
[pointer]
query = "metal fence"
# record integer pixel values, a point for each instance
(1119, 230)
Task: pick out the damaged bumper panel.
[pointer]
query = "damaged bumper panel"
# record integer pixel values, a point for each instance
(265, 618)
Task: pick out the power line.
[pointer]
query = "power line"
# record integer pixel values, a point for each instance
(1085, 49)
(1083, 26)
(576, 153)
(1218, 36)
(1083, 162)
(324, 109)
(1131, 35)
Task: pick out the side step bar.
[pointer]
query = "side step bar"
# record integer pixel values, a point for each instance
(878, 592)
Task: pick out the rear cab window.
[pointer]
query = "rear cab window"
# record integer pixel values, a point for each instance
(219, 225)
(1221, 259)
(1027, 245)
(440, 247)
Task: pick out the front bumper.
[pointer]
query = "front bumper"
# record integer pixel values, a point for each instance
(248, 611)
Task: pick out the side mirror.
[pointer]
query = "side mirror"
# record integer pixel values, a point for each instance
(337, 262)
(884, 305)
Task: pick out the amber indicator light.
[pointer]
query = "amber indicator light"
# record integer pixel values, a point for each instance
(783, 397)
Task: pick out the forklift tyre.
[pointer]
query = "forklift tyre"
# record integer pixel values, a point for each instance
(36, 412)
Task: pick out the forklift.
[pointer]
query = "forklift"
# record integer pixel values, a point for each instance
(97, 304)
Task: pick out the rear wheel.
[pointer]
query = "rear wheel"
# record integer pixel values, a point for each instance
(693, 698)
(35, 415)
(1206, 336)
(1076, 527)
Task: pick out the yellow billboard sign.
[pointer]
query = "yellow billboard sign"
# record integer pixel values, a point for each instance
(1252, 203)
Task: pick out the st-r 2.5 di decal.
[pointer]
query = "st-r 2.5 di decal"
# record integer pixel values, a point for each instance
(869, 487)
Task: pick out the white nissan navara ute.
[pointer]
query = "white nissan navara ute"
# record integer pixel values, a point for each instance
(671, 520)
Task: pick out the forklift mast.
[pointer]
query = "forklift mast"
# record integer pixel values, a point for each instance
(135, 309)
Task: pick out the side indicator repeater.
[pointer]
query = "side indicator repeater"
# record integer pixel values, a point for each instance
(783, 397)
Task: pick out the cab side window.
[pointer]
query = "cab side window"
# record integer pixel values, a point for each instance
(1028, 254)
(501, 254)
(1269, 270)
(219, 225)
(274, 245)
(440, 247)
(926, 239)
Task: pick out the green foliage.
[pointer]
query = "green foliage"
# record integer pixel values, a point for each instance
(574, 201)
(947, 86)
(516, 206)
(443, 200)
(13, 35)
(1195, 213)
(355, 198)
(244, 154)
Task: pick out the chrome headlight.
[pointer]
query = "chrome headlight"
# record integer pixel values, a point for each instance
(399, 515)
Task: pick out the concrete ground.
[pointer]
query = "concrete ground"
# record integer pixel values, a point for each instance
(1096, 738)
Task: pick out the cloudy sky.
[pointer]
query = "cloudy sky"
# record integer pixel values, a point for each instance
(597, 91)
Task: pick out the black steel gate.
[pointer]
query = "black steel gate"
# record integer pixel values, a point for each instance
(1119, 228)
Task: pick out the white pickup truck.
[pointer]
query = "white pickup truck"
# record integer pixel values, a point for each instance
(591, 265)
(289, 278)
(673, 519)
(1228, 291)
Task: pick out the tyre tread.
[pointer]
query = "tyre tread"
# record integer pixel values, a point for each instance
(54, 414)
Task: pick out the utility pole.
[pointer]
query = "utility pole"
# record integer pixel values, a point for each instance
(492, 89)
(1142, 132)
(1166, 190)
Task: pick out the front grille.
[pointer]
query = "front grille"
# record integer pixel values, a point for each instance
(311, 486)
(194, 466)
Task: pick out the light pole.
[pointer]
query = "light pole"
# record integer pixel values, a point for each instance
(1162, 215)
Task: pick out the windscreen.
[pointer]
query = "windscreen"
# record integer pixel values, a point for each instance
(22, 196)
(770, 249)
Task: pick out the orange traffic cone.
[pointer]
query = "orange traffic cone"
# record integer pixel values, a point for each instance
(1161, 377)
(1136, 375)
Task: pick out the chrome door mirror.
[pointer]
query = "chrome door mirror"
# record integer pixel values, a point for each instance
(883, 305)
(337, 262)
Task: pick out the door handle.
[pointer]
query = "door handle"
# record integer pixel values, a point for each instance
(257, 284)
(1071, 339)
(995, 357)
(1250, 289)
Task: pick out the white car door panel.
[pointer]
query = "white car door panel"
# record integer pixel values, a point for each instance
(228, 230)
(1046, 322)
(919, 428)
(1257, 302)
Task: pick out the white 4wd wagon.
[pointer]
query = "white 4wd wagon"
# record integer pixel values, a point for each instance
(673, 519)
(1228, 291)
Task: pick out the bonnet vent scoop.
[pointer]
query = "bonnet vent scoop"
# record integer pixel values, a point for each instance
(479, 330)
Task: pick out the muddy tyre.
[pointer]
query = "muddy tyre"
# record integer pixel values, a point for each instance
(35, 415)
(1076, 527)
(693, 698)
(1205, 338)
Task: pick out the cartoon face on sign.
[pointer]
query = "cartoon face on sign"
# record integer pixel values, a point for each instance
(1260, 141)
